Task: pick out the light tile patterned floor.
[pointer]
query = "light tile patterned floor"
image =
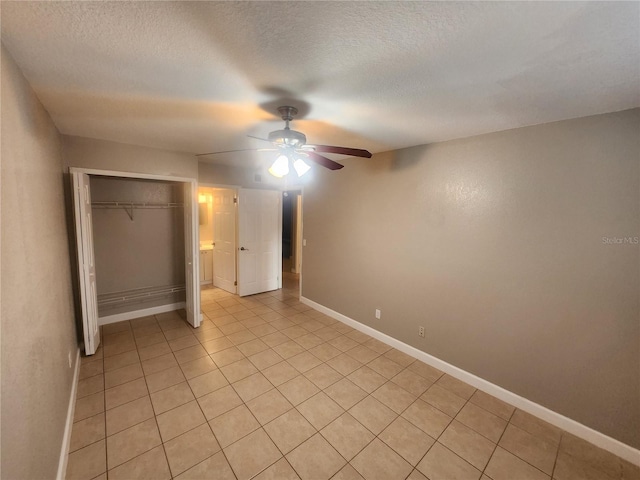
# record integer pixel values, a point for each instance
(270, 389)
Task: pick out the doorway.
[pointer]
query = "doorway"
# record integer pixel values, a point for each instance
(218, 227)
(240, 239)
(292, 231)
(83, 215)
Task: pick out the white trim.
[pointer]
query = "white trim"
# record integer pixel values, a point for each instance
(149, 176)
(219, 185)
(279, 248)
(66, 438)
(145, 312)
(579, 430)
(192, 254)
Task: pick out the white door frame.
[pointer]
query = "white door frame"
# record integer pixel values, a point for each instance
(303, 242)
(297, 259)
(192, 251)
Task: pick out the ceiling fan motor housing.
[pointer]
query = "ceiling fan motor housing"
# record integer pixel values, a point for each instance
(288, 137)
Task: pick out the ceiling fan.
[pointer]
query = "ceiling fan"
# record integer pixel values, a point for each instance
(294, 149)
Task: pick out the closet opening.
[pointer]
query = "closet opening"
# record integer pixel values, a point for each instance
(138, 231)
(136, 240)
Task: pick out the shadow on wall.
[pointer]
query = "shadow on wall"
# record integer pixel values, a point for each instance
(396, 160)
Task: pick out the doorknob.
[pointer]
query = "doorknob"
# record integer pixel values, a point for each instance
(242, 248)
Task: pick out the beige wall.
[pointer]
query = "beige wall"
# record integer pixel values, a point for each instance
(38, 329)
(104, 155)
(495, 245)
(209, 174)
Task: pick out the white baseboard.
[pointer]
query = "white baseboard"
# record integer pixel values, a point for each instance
(119, 317)
(66, 438)
(579, 430)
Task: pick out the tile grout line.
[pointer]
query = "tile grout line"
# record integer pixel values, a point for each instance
(498, 444)
(205, 417)
(130, 401)
(153, 409)
(104, 398)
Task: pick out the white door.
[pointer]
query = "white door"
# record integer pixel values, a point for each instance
(259, 241)
(192, 253)
(224, 239)
(86, 261)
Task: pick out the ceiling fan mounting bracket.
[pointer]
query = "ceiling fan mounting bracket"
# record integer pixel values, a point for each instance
(287, 113)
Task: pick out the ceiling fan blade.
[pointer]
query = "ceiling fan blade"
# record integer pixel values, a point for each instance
(354, 152)
(258, 138)
(226, 151)
(323, 161)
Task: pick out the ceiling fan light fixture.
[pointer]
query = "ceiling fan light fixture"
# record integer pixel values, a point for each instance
(292, 143)
(280, 167)
(301, 167)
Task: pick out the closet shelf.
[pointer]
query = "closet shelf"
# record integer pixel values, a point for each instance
(111, 300)
(130, 206)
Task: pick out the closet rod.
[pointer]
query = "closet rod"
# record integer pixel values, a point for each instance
(130, 206)
(135, 205)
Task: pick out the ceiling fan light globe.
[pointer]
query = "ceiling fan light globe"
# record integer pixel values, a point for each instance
(280, 167)
(301, 167)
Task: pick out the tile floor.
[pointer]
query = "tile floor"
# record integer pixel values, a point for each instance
(270, 389)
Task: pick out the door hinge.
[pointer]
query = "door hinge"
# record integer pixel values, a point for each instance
(235, 284)
(235, 199)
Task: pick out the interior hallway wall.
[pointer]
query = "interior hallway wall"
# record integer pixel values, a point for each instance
(517, 251)
(38, 325)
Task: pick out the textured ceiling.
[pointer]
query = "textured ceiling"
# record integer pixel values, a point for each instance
(200, 76)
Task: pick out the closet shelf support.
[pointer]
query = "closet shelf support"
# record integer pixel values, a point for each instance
(128, 207)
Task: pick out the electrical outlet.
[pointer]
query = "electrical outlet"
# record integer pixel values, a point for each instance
(421, 331)
(304, 242)
(69, 355)
(378, 313)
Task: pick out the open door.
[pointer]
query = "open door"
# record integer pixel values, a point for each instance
(224, 239)
(86, 261)
(259, 241)
(192, 252)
